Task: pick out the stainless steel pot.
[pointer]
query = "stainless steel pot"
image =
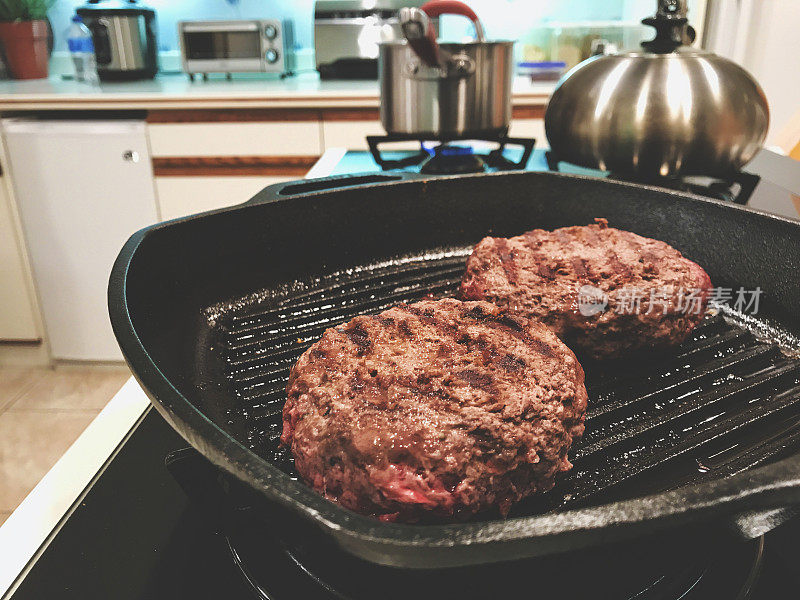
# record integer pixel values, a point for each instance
(667, 111)
(443, 90)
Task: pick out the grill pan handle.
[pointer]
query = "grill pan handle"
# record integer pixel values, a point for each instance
(283, 191)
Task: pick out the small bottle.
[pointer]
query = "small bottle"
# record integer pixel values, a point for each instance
(79, 40)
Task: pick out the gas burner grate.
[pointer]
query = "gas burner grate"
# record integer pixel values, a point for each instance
(722, 402)
(737, 187)
(447, 159)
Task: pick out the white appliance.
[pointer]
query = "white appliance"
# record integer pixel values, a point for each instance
(83, 187)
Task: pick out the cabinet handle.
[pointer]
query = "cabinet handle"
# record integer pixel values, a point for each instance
(130, 156)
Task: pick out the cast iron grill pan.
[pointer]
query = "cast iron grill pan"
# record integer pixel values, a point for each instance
(211, 312)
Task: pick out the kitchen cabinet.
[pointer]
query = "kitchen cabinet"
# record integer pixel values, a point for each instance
(528, 121)
(350, 134)
(208, 159)
(529, 128)
(79, 198)
(82, 188)
(298, 138)
(350, 128)
(18, 317)
(204, 159)
(182, 196)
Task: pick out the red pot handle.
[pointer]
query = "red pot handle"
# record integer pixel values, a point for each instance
(416, 20)
(436, 8)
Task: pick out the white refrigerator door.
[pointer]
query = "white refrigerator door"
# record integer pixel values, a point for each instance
(83, 187)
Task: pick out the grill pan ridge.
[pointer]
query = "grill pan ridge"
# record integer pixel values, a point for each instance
(691, 404)
(669, 439)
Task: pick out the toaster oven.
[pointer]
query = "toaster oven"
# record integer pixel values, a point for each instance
(259, 45)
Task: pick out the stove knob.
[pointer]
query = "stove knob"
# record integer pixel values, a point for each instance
(270, 32)
(272, 56)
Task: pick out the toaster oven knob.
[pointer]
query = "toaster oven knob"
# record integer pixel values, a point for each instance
(272, 55)
(270, 32)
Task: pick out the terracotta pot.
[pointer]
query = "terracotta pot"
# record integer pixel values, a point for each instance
(26, 52)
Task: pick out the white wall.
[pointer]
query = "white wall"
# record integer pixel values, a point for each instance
(764, 37)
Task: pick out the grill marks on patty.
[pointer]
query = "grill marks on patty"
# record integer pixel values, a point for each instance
(359, 337)
(506, 259)
(448, 333)
(551, 268)
(579, 266)
(512, 363)
(476, 379)
(428, 408)
(415, 327)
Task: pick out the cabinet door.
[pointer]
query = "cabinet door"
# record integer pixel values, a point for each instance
(82, 187)
(529, 128)
(235, 139)
(17, 306)
(182, 196)
(209, 159)
(350, 134)
(349, 129)
(343, 128)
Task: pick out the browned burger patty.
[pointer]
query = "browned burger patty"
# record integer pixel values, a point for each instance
(438, 409)
(603, 291)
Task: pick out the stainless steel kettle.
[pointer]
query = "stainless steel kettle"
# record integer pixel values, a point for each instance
(667, 111)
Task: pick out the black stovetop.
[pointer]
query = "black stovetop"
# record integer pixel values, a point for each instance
(135, 536)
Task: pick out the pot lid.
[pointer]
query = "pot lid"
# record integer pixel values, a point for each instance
(119, 8)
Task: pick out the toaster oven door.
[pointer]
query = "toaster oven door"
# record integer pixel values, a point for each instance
(225, 48)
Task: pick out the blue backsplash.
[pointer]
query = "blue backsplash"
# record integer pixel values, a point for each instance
(169, 12)
(503, 19)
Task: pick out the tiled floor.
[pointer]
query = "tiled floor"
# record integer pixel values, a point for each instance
(42, 411)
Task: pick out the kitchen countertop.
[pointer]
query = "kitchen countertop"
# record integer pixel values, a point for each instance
(176, 91)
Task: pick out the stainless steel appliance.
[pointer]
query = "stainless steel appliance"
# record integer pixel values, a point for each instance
(347, 32)
(452, 89)
(257, 45)
(124, 39)
(666, 111)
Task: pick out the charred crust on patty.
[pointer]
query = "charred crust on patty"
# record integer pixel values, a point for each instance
(550, 267)
(456, 409)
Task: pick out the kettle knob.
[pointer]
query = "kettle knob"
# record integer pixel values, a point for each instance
(670, 23)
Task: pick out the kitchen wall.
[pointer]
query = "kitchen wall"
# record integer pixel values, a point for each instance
(763, 38)
(509, 19)
(171, 11)
(512, 19)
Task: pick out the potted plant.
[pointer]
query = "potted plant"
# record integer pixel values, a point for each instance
(24, 31)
